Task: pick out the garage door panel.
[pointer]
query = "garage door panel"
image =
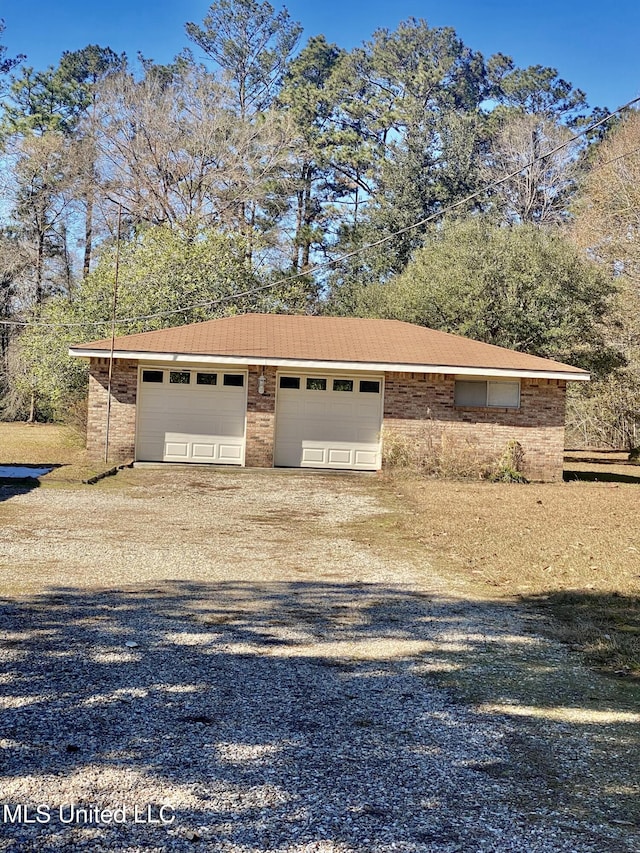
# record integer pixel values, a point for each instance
(365, 458)
(367, 434)
(324, 431)
(190, 422)
(328, 429)
(177, 449)
(312, 409)
(230, 453)
(204, 452)
(339, 456)
(343, 408)
(230, 426)
(201, 423)
(289, 455)
(313, 455)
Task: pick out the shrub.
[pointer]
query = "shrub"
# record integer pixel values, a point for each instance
(435, 453)
(509, 467)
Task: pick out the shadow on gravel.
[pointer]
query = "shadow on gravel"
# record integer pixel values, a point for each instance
(10, 487)
(274, 716)
(16, 479)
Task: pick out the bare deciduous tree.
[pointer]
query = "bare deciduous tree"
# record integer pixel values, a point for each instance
(540, 191)
(607, 214)
(174, 152)
(44, 174)
(606, 225)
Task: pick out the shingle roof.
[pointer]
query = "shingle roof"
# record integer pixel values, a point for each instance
(327, 339)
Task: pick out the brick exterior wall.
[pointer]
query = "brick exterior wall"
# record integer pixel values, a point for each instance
(417, 405)
(122, 420)
(261, 419)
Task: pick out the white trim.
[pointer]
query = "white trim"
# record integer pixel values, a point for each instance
(350, 366)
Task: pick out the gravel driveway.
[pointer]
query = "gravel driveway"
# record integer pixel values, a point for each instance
(215, 661)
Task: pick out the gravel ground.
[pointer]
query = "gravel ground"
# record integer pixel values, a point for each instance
(215, 660)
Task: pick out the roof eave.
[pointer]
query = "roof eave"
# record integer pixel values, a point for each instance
(318, 364)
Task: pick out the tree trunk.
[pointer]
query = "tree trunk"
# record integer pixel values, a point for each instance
(308, 217)
(40, 272)
(88, 235)
(295, 258)
(251, 226)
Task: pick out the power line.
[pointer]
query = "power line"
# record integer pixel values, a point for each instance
(597, 166)
(334, 261)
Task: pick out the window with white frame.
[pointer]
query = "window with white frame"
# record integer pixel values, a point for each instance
(487, 393)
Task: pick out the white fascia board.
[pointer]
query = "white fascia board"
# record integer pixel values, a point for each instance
(309, 364)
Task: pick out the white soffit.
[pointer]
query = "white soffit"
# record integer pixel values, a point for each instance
(306, 364)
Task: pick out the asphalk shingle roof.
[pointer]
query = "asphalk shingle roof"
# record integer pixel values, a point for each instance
(350, 340)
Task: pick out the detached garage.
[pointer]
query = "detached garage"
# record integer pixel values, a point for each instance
(317, 392)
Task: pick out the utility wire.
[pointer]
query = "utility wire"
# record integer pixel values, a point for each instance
(596, 167)
(333, 261)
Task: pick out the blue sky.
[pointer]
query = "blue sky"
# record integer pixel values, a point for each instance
(593, 44)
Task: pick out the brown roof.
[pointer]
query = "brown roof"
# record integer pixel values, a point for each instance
(341, 339)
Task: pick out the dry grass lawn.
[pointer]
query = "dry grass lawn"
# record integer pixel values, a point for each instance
(572, 548)
(46, 444)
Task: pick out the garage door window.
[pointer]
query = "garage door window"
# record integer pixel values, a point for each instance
(290, 382)
(316, 384)
(179, 377)
(235, 380)
(152, 375)
(206, 379)
(343, 384)
(369, 386)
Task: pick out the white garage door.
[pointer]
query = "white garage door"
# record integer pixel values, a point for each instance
(191, 415)
(329, 421)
